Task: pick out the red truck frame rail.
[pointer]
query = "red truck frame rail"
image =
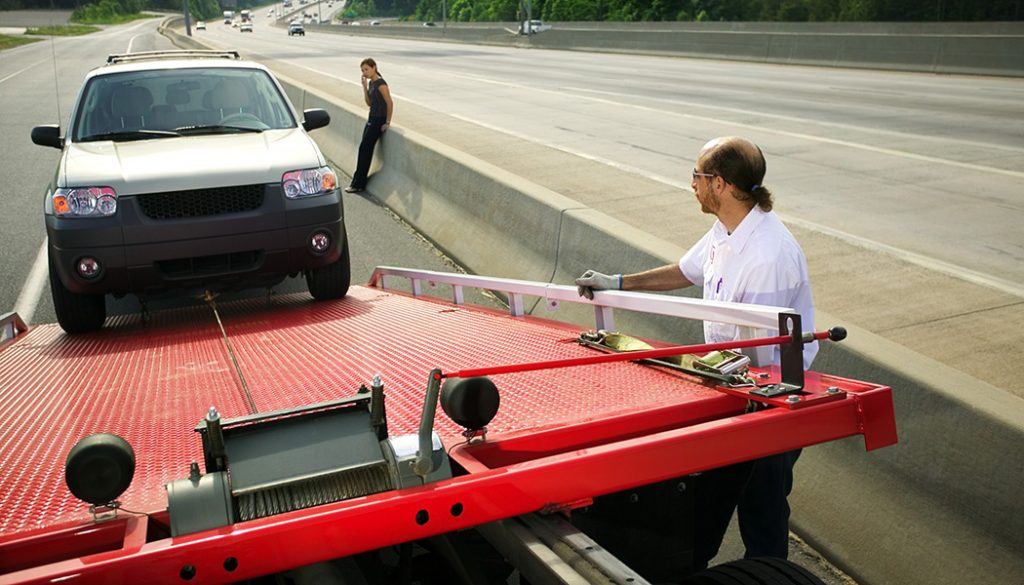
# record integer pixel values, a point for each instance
(560, 438)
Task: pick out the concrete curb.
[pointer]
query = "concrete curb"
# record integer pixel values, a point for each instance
(941, 507)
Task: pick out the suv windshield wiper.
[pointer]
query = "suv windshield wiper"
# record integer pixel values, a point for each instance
(214, 129)
(129, 135)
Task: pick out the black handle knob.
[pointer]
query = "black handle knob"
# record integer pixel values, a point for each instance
(837, 333)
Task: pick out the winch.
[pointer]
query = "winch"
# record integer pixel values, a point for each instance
(274, 462)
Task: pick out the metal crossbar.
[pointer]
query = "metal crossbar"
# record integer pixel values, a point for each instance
(176, 54)
(760, 317)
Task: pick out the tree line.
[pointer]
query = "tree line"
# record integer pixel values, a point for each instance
(718, 10)
(618, 10)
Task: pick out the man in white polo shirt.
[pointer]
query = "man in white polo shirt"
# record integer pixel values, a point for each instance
(748, 256)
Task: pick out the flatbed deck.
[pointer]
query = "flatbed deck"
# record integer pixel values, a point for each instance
(151, 380)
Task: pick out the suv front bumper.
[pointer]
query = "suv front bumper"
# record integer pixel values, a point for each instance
(231, 251)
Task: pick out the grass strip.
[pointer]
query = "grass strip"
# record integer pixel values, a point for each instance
(9, 42)
(62, 30)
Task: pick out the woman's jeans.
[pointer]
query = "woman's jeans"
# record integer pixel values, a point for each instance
(371, 133)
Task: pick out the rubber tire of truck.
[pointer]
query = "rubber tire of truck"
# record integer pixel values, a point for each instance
(331, 281)
(76, 313)
(760, 571)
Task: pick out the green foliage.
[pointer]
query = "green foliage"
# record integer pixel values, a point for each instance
(360, 8)
(107, 12)
(8, 41)
(64, 30)
(205, 9)
(717, 10)
(575, 10)
(596, 10)
(857, 10)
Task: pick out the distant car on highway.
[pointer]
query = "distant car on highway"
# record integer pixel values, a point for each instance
(184, 170)
(245, 27)
(296, 28)
(428, 23)
(534, 27)
(374, 23)
(200, 25)
(235, 24)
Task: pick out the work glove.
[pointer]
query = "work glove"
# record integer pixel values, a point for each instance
(592, 280)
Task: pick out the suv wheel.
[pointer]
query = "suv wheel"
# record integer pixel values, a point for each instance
(331, 281)
(76, 313)
(758, 571)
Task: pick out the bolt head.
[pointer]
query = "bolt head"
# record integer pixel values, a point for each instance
(792, 398)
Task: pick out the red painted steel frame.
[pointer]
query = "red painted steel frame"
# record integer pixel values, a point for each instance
(525, 468)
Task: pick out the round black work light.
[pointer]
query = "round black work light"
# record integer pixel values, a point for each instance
(470, 402)
(99, 468)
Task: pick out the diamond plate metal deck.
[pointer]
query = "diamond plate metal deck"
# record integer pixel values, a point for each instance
(151, 382)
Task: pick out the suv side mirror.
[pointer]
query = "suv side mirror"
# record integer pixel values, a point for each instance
(48, 135)
(314, 118)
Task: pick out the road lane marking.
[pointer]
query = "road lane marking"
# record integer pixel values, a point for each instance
(23, 70)
(32, 292)
(800, 135)
(785, 118)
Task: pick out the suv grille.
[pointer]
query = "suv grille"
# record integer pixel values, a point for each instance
(201, 202)
(211, 265)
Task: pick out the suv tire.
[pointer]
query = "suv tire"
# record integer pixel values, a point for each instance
(331, 281)
(76, 313)
(758, 571)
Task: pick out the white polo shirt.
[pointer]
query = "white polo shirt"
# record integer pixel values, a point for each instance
(759, 263)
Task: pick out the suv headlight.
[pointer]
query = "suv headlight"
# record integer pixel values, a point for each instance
(84, 202)
(309, 182)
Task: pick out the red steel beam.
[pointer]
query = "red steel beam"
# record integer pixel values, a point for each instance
(492, 491)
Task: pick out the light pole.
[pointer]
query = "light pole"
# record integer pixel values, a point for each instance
(188, 21)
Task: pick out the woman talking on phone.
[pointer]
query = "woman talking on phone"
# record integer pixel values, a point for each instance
(378, 97)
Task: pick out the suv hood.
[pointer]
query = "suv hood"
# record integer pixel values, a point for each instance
(188, 162)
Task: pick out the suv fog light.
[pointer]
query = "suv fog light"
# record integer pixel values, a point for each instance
(320, 242)
(88, 267)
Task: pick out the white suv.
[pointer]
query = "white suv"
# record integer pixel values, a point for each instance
(187, 170)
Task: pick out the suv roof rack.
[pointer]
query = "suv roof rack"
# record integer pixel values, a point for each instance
(179, 54)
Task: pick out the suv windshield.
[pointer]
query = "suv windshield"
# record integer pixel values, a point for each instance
(165, 102)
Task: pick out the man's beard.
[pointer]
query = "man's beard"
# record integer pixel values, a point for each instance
(710, 203)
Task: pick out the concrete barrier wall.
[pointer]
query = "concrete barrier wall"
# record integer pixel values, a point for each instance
(942, 507)
(965, 48)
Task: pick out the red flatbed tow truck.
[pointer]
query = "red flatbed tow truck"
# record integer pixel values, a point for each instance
(295, 460)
